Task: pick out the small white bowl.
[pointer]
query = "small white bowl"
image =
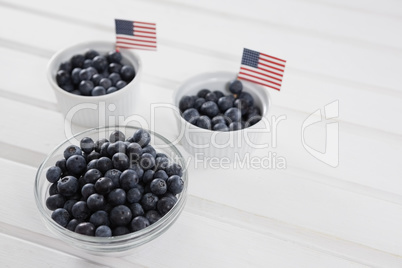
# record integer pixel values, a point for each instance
(95, 111)
(233, 145)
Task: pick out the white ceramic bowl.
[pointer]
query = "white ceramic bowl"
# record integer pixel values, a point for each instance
(94, 111)
(233, 145)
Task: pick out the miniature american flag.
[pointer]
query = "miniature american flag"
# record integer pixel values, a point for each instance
(135, 34)
(261, 69)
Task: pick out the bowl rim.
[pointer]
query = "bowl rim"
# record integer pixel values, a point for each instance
(79, 47)
(153, 229)
(217, 74)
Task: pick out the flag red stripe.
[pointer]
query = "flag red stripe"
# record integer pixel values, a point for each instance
(149, 23)
(251, 70)
(266, 55)
(136, 44)
(135, 31)
(257, 77)
(133, 39)
(143, 27)
(269, 70)
(257, 82)
(282, 65)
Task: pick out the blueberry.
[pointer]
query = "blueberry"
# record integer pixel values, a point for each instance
(139, 223)
(120, 215)
(127, 73)
(104, 185)
(219, 94)
(161, 174)
(175, 184)
(114, 175)
(120, 84)
(170, 195)
(91, 53)
(92, 175)
(134, 195)
(191, 115)
(87, 145)
(85, 228)
(148, 176)
(75, 76)
(116, 147)
(117, 197)
(84, 75)
(134, 151)
(76, 164)
(80, 210)
(99, 143)
(111, 90)
(104, 164)
(68, 185)
(142, 137)
(98, 91)
(186, 102)
(61, 216)
(153, 216)
(236, 87)
(211, 96)
(137, 169)
(149, 149)
(202, 93)
(100, 63)
(104, 149)
(220, 127)
(165, 204)
(66, 66)
(147, 161)
(158, 186)
(136, 209)
(114, 56)
(96, 202)
(120, 230)
(148, 201)
(247, 97)
(87, 63)
(204, 122)
(53, 189)
(128, 179)
(117, 135)
(62, 77)
(120, 161)
(225, 103)
(114, 77)
(72, 224)
(72, 150)
(242, 105)
(218, 119)
(235, 126)
(198, 102)
(161, 163)
(85, 87)
(174, 169)
(114, 68)
(92, 160)
(209, 108)
(69, 205)
(87, 190)
(96, 79)
(53, 174)
(233, 114)
(103, 231)
(69, 88)
(55, 201)
(77, 60)
(105, 83)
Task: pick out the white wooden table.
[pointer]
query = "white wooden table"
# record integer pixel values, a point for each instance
(308, 214)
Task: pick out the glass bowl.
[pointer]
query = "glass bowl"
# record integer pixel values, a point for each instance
(118, 244)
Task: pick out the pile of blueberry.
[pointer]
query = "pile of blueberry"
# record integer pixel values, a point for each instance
(112, 187)
(215, 111)
(93, 74)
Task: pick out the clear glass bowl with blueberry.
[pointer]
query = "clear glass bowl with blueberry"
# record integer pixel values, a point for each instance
(109, 190)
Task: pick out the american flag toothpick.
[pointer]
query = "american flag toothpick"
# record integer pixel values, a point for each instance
(261, 69)
(135, 35)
